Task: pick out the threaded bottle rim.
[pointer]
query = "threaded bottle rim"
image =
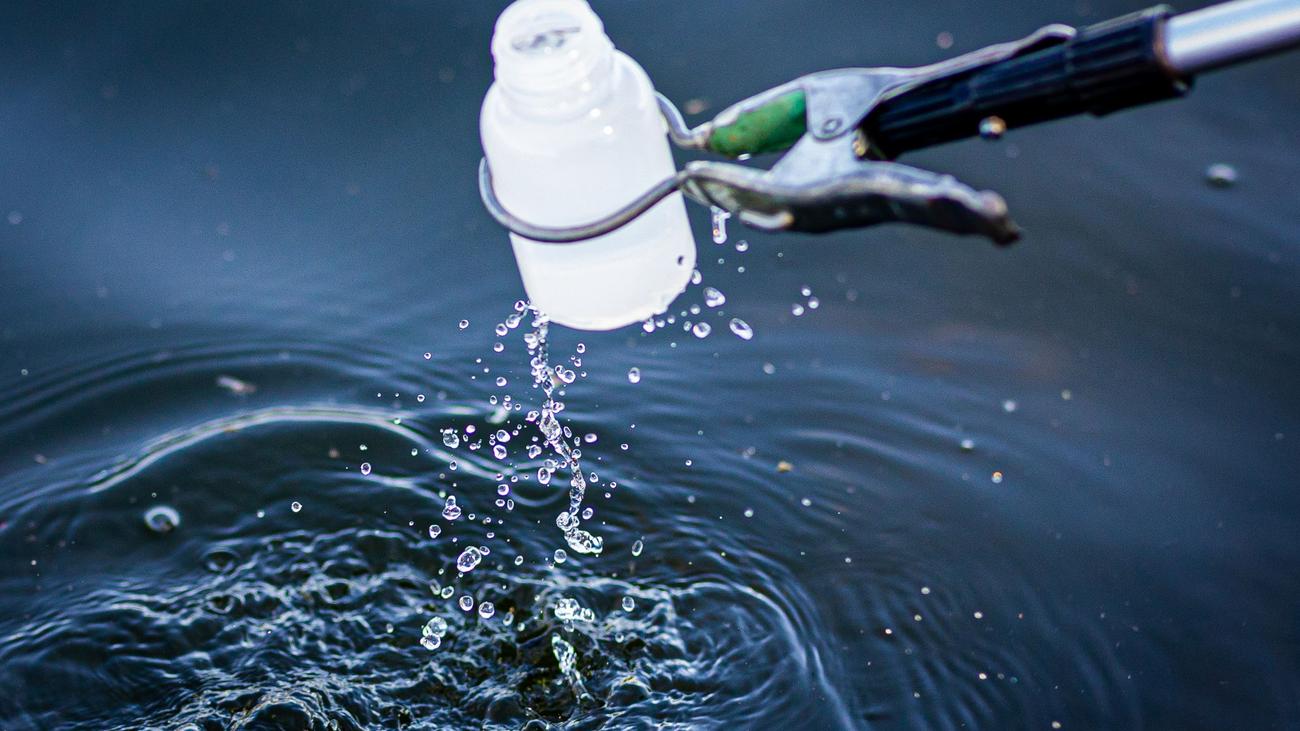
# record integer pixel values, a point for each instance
(551, 55)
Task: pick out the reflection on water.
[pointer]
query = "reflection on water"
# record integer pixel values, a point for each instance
(921, 484)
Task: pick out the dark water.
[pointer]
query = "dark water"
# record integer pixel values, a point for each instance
(283, 193)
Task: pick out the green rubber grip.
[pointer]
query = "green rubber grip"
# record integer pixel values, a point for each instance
(773, 127)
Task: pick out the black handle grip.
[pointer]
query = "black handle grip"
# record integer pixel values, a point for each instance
(1104, 68)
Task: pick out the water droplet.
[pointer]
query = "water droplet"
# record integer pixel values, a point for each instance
(486, 610)
(501, 380)
(701, 329)
(638, 547)
(501, 329)
(450, 510)
(796, 309)
(634, 375)
(436, 627)
(450, 438)
(742, 246)
(1009, 406)
(967, 445)
(446, 592)
(295, 506)
(560, 555)
(714, 298)
(997, 478)
(464, 324)
(814, 303)
(435, 530)
(365, 468)
(428, 356)
(519, 560)
(741, 329)
(720, 217)
(628, 604)
(466, 602)
(499, 451)
(569, 610)
(469, 558)
(587, 513)
(163, 519)
(749, 512)
(1221, 175)
(431, 643)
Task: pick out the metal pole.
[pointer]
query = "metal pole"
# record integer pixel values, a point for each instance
(1230, 33)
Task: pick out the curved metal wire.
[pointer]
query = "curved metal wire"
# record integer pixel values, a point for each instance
(582, 232)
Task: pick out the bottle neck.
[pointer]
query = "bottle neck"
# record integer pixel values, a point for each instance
(552, 58)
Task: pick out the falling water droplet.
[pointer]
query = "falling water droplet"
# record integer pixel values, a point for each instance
(450, 510)
(634, 375)
(741, 329)
(295, 506)
(163, 519)
(486, 610)
(702, 329)
(560, 555)
(469, 558)
(720, 217)
(436, 627)
(628, 604)
(713, 297)
(638, 547)
(466, 602)
(365, 468)
(464, 324)
(450, 438)
(435, 530)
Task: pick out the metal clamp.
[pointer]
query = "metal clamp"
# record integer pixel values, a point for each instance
(831, 178)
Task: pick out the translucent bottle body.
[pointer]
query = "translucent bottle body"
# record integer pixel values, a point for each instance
(572, 132)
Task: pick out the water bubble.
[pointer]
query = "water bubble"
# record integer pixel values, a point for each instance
(295, 506)
(638, 547)
(435, 530)
(469, 558)
(464, 324)
(741, 329)
(163, 519)
(486, 610)
(628, 604)
(365, 468)
(450, 510)
(720, 217)
(450, 438)
(714, 298)
(702, 329)
(560, 555)
(634, 374)
(466, 602)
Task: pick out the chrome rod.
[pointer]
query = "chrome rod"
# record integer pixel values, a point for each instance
(1230, 33)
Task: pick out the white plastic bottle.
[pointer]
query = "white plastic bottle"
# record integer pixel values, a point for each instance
(572, 132)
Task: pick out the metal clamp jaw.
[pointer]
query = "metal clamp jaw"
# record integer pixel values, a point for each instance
(832, 177)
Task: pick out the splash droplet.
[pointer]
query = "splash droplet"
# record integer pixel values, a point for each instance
(365, 468)
(469, 558)
(560, 555)
(741, 329)
(638, 547)
(466, 602)
(450, 510)
(701, 329)
(435, 530)
(714, 298)
(634, 375)
(486, 610)
(163, 519)
(295, 506)
(464, 324)
(628, 604)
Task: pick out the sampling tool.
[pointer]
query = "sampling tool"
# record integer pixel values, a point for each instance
(841, 129)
